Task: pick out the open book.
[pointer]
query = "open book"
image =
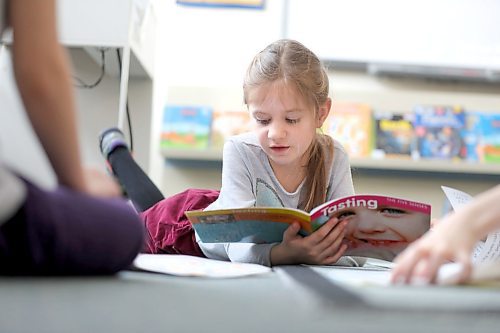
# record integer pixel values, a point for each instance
(378, 226)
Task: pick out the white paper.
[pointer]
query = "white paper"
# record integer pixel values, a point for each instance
(183, 265)
(490, 251)
(456, 198)
(355, 276)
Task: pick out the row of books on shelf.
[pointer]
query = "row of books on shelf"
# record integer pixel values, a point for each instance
(425, 132)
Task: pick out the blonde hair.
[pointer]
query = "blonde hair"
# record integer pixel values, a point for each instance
(295, 65)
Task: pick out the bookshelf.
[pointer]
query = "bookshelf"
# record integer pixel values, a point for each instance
(458, 168)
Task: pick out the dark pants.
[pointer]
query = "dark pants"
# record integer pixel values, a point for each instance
(135, 182)
(63, 232)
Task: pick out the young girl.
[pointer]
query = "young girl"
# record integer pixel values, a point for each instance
(284, 162)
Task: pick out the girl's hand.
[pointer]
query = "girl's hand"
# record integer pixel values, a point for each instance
(323, 247)
(420, 262)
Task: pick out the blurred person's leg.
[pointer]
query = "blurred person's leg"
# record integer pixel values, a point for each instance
(64, 232)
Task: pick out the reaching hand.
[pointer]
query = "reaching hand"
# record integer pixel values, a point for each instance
(434, 223)
(99, 184)
(323, 247)
(447, 241)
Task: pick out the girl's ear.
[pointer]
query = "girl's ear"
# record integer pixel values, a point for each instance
(323, 112)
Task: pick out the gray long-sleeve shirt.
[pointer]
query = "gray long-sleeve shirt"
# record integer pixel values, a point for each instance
(249, 181)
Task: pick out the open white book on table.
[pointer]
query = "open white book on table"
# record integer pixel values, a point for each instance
(184, 265)
(486, 254)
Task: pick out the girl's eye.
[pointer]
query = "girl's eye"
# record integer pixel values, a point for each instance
(345, 215)
(292, 121)
(263, 121)
(392, 211)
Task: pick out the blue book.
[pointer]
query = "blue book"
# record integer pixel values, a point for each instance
(186, 126)
(438, 132)
(482, 136)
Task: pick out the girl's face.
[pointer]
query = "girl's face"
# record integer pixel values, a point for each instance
(285, 124)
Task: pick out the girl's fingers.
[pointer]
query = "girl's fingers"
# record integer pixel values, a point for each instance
(319, 235)
(329, 260)
(333, 240)
(291, 232)
(333, 249)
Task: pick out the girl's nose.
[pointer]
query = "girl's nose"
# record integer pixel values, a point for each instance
(276, 131)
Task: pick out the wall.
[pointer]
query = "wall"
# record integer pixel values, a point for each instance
(97, 110)
(98, 107)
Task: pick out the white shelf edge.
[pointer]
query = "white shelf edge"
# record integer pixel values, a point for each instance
(432, 166)
(193, 154)
(435, 166)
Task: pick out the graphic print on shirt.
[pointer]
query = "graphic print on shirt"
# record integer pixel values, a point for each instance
(266, 196)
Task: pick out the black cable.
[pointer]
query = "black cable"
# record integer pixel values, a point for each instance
(83, 84)
(126, 104)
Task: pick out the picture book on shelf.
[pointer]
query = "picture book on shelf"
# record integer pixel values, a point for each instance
(186, 126)
(482, 136)
(352, 125)
(471, 136)
(438, 131)
(377, 226)
(228, 123)
(490, 137)
(394, 134)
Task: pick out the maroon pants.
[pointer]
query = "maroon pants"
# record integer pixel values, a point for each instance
(169, 231)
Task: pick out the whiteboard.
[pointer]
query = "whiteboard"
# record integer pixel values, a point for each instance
(442, 33)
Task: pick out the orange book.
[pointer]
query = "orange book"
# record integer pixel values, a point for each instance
(228, 123)
(352, 125)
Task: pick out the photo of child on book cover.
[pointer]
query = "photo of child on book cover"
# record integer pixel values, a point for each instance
(378, 227)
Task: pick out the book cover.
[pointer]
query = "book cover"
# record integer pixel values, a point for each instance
(393, 134)
(186, 126)
(438, 132)
(228, 123)
(378, 226)
(489, 143)
(481, 136)
(352, 125)
(471, 136)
